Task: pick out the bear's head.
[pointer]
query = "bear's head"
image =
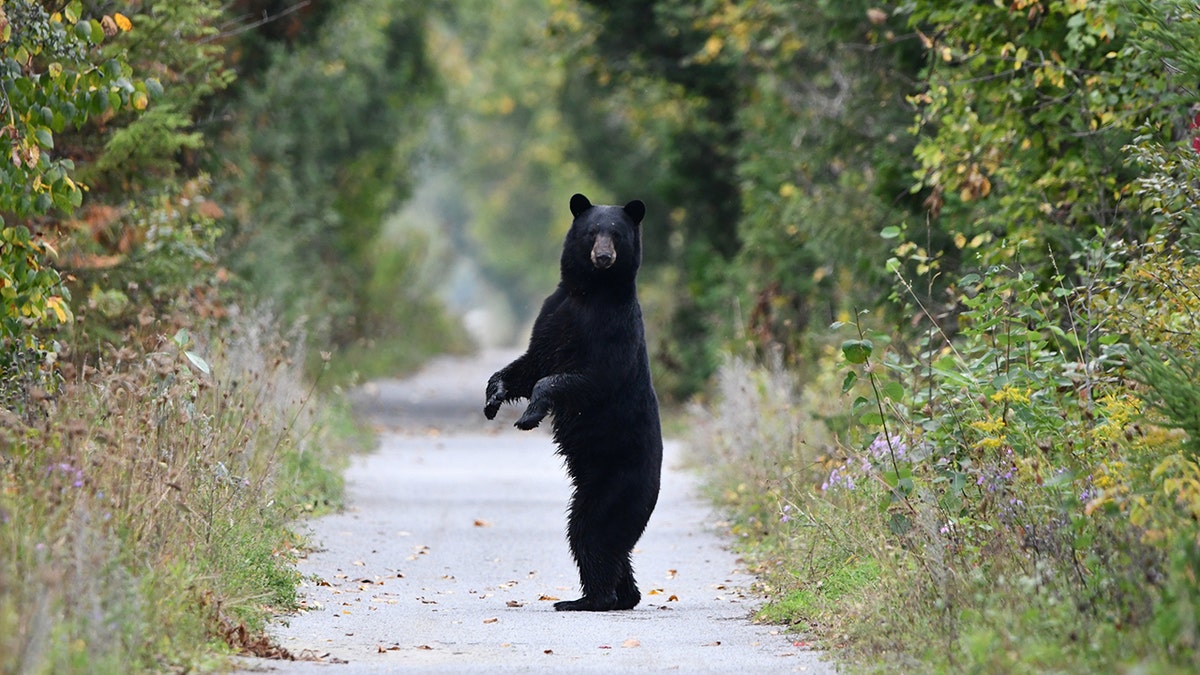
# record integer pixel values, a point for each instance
(603, 249)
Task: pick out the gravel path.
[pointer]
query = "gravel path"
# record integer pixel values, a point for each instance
(452, 550)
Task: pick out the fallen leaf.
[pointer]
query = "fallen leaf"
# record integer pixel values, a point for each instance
(491, 620)
(359, 563)
(547, 651)
(632, 642)
(547, 597)
(673, 598)
(514, 603)
(479, 522)
(605, 647)
(712, 644)
(654, 591)
(426, 648)
(671, 574)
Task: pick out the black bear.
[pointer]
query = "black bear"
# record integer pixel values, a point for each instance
(587, 365)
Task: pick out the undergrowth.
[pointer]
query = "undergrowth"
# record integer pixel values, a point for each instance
(1021, 495)
(146, 496)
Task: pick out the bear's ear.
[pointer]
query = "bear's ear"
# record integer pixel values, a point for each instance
(579, 204)
(636, 210)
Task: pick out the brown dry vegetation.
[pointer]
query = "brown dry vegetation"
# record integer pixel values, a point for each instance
(144, 505)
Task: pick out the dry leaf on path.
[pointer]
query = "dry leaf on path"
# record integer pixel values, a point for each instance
(632, 642)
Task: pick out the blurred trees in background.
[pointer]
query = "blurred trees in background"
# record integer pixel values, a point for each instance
(786, 151)
(328, 130)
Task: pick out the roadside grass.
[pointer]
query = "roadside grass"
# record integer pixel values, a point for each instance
(1011, 501)
(146, 501)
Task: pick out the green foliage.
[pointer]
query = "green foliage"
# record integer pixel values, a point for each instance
(53, 77)
(30, 291)
(1017, 454)
(508, 142)
(327, 140)
(1023, 121)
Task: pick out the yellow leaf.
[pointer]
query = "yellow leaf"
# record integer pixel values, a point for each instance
(55, 303)
(123, 21)
(713, 47)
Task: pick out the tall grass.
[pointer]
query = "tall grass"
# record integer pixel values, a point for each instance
(1022, 496)
(144, 503)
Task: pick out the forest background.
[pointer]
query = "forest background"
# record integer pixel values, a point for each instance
(925, 275)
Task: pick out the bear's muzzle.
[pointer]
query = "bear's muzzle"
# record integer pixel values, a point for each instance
(604, 254)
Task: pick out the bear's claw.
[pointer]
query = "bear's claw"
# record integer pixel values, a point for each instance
(495, 396)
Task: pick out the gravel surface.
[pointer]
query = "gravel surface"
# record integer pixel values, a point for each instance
(452, 550)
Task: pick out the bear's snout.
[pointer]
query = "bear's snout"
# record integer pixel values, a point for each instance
(604, 254)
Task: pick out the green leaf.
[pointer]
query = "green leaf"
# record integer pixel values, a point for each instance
(180, 338)
(72, 11)
(44, 138)
(871, 419)
(857, 351)
(848, 382)
(893, 390)
(200, 363)
(890, 232)
(97, 31)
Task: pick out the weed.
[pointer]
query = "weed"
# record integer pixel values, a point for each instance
(1018, 496)
(147, 504)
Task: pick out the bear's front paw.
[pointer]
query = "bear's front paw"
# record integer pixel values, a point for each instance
(534, 414)
(495, 396)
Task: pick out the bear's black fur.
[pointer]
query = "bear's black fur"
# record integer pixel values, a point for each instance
(587, 364)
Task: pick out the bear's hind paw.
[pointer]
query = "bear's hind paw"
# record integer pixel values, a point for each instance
(587, 604)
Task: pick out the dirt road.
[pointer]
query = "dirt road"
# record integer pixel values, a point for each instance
(452, 550)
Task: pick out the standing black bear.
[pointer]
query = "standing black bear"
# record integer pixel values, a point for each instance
(587, 364)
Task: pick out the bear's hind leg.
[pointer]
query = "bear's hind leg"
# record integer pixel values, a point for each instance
(602, 533)
(627, 592)
(597, 577)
